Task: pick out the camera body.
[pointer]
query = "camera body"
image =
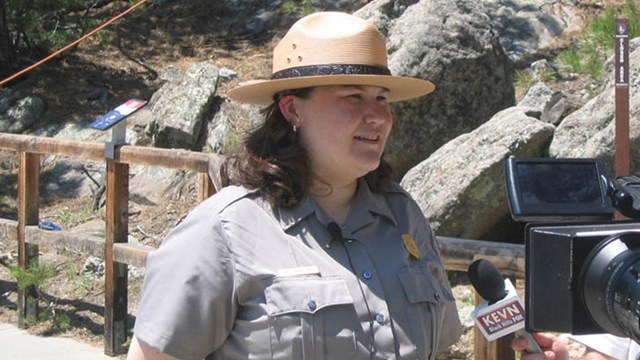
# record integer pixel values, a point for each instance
(582, 269)
(557, 287)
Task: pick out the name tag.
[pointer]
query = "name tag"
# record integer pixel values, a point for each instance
(298, 271)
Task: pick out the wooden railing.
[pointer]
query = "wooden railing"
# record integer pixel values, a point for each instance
(118, 253)
(114, 248)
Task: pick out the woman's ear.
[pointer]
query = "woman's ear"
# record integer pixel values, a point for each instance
(288, 109)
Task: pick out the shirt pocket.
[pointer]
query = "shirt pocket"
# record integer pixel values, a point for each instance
(310, 318)
(426, 297)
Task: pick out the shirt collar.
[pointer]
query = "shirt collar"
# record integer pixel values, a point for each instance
(365, 205)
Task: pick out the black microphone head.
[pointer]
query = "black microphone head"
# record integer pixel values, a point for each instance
(334, 231)
(487, 280)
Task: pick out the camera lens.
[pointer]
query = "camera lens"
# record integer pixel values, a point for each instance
(610, 285)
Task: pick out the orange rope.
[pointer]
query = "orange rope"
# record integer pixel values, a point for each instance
(21, 72)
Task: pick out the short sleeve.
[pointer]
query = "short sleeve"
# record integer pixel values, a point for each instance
(186, 309)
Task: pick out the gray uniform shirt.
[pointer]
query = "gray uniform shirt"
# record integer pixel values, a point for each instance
(239, 279)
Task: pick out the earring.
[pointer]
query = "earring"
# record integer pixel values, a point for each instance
(295, 129)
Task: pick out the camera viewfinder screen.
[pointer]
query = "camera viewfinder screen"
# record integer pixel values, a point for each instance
(559, 183)
(544, 189)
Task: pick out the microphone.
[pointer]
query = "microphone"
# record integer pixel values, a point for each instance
(502, 312)
(335, 231)
(336, 234)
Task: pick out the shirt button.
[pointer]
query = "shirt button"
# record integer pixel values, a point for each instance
(312, 305)
(380, 319)
(367, 275)
(349, 241)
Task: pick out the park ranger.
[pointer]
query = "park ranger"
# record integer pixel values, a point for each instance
(311, 251)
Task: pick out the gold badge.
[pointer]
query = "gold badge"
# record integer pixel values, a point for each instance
(411, 245)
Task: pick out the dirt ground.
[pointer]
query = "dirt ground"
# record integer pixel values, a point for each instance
(87, 82)
(72, 302)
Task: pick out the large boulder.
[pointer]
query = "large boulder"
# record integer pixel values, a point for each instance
(454, 44)
(22, 115)
(461, 186)
(181, 108)
(528, 26)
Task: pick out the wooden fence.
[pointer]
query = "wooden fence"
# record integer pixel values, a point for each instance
(118, 253)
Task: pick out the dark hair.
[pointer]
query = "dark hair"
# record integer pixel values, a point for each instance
(272, 160)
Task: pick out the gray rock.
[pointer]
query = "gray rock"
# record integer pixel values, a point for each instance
(229, 124)
(528, 26)
(461, 186)
(8, 98)
(25, 112)
(559, 107)
(181, 108)
(453, 44)
(537, 97)
(5, 123)
(149, 185)
(71, 177)
(94, 267)
(227, 73)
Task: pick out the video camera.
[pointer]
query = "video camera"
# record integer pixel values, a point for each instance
(582, 268)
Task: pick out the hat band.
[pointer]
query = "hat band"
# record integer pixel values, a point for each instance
(330, 69)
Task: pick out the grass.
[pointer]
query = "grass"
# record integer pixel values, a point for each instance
(525, 79)
(70, 216)
(595, 44)
(80, 283)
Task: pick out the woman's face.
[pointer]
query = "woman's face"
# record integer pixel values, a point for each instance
(344, 129)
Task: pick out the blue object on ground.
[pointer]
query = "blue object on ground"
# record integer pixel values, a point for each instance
(48, 225)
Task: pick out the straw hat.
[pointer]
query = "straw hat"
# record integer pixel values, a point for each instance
(330, 48)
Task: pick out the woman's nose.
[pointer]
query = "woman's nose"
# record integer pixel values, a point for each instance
(377, 114)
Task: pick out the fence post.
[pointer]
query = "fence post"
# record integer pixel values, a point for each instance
(206, 187)
(28, 196)
(117, 223)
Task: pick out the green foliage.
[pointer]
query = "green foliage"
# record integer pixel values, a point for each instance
(34, 275)
(523, 80)
(299, 7)
(72, 216)
(595, 44)
(80, 282)
(59, 320)
(62, 320)
(47, 24)
(127, 343)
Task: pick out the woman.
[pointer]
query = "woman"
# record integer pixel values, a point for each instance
(313, 253)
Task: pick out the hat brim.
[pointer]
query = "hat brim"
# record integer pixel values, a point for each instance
(261, 92)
